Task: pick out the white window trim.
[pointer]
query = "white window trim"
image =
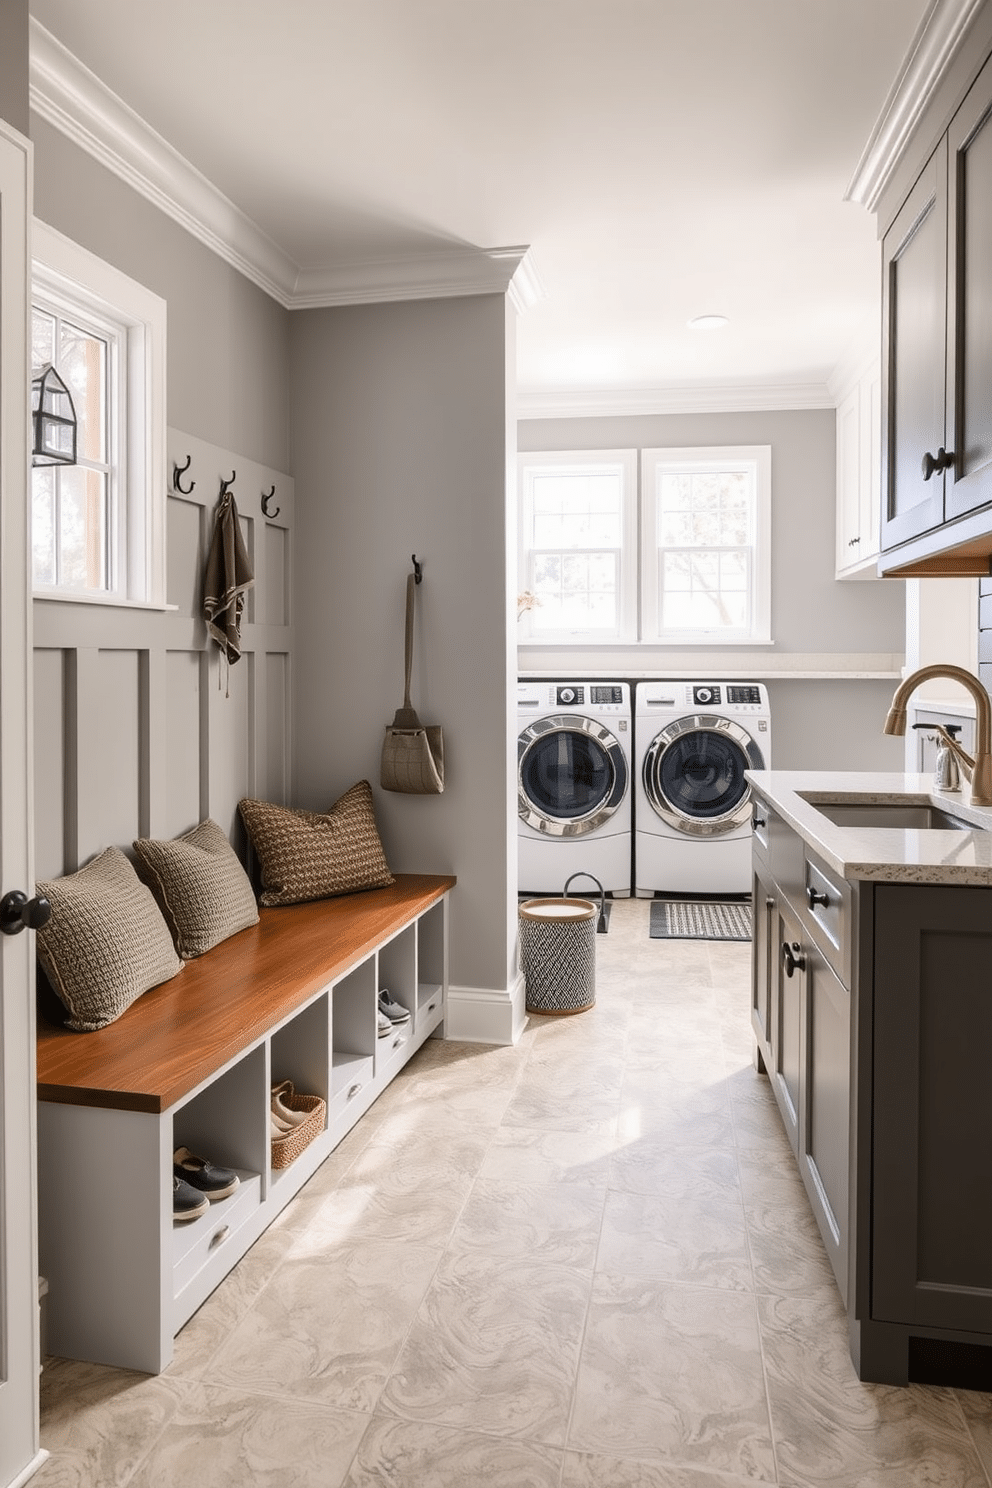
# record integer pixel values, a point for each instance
(73, 275)
(717, 457)
(575, 460)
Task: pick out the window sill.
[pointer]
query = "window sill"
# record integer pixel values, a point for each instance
(673, 644)
(106, 601)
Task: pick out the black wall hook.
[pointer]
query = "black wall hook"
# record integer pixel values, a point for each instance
(177, 471)
(226, 485)
(266, 498)
(418, 570)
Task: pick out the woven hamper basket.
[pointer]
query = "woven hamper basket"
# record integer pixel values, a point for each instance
(558, 954)
(286, 1149)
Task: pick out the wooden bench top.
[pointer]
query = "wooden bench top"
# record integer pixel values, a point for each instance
(180, 1033)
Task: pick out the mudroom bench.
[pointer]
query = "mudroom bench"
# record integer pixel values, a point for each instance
(191, 1063)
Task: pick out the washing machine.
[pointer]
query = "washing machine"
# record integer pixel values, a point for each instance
(574, 785)
(692, 805)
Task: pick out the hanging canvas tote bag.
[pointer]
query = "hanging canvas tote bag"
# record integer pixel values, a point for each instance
(412, 753)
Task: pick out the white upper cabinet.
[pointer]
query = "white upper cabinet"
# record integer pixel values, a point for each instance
(859, 444)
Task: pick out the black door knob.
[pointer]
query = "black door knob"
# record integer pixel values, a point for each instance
(18, 912)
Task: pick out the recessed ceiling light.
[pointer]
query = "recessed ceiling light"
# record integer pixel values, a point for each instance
(708, 323)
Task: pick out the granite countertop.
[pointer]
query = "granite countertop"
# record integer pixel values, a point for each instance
(882, 854)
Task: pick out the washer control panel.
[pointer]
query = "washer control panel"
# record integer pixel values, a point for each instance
(600, 697)
(725, 697)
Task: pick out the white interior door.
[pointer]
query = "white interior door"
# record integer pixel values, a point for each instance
(19, 1349)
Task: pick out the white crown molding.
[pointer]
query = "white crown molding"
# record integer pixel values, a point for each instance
(535, 403)
(420, 277)
(75, 101)
(938, 39)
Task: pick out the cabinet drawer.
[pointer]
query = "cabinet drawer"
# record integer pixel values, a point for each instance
(351, 1076)
(393, 1051)
(826, 910)
(195, 1244)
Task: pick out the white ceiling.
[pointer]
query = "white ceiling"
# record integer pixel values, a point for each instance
(662, 158)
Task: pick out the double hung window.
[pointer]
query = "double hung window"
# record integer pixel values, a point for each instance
(578, 544)
(704, 553)
(98, 526)
(73, 507)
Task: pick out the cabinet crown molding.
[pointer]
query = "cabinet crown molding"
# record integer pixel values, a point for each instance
(939, 39)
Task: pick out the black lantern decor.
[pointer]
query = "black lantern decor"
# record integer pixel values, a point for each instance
(53, 420)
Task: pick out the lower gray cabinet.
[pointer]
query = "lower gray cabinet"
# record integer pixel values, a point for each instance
(824, 1134)
(804, 1044)
(885, 1094)
(932, 1130)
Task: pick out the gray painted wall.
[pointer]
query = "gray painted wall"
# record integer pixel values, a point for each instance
(14, 63)
(816, 723)
(400, 439)
(228, 368)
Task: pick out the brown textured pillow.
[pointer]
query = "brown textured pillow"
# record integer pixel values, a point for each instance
(106, 941)
(308, 855)
(199, 885)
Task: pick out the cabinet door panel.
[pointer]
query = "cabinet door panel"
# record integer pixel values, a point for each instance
(932, 1205)
(787, 1016)
(825, 1159)
(764, 949)
(914, 258)
(969, 301)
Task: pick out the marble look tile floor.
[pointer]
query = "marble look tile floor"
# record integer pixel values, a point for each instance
(584, 1262)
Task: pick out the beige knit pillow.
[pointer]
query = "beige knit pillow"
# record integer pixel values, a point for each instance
(106, 941)
(308, 855)
(199, 885)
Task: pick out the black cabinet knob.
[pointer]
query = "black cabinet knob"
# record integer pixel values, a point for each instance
(813, 898)
(934, 464)
(18, 912)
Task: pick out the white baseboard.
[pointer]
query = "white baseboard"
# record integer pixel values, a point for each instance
(483, 1015)
(22, 1477)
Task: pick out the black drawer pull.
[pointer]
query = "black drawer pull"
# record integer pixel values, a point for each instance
(814, 898)
(794, 957)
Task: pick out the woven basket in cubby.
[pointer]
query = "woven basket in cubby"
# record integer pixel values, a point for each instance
(288, 1148)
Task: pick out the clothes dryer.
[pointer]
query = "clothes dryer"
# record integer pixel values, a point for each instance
(573, 785)
(693, 742)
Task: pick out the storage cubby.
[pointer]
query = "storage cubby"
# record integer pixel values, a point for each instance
(432, 964)
(398, 968)
(222, 1122)
(300, 1049)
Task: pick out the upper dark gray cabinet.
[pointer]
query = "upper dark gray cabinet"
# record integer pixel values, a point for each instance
(937, 356)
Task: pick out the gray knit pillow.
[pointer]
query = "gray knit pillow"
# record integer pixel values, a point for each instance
(308, 855)
(199, 885)
(106, 941)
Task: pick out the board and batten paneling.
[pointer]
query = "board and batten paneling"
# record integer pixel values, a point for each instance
(141, 729)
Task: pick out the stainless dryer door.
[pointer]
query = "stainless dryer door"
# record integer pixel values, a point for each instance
(694, 774)
(571, 775)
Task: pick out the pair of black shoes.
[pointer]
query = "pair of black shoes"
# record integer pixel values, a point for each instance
(196, 1183)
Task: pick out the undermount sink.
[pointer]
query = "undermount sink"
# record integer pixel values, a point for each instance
(892, 814)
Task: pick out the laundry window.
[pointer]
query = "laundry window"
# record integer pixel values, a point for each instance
(578, 567)
(705, 571)
(98, 527)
